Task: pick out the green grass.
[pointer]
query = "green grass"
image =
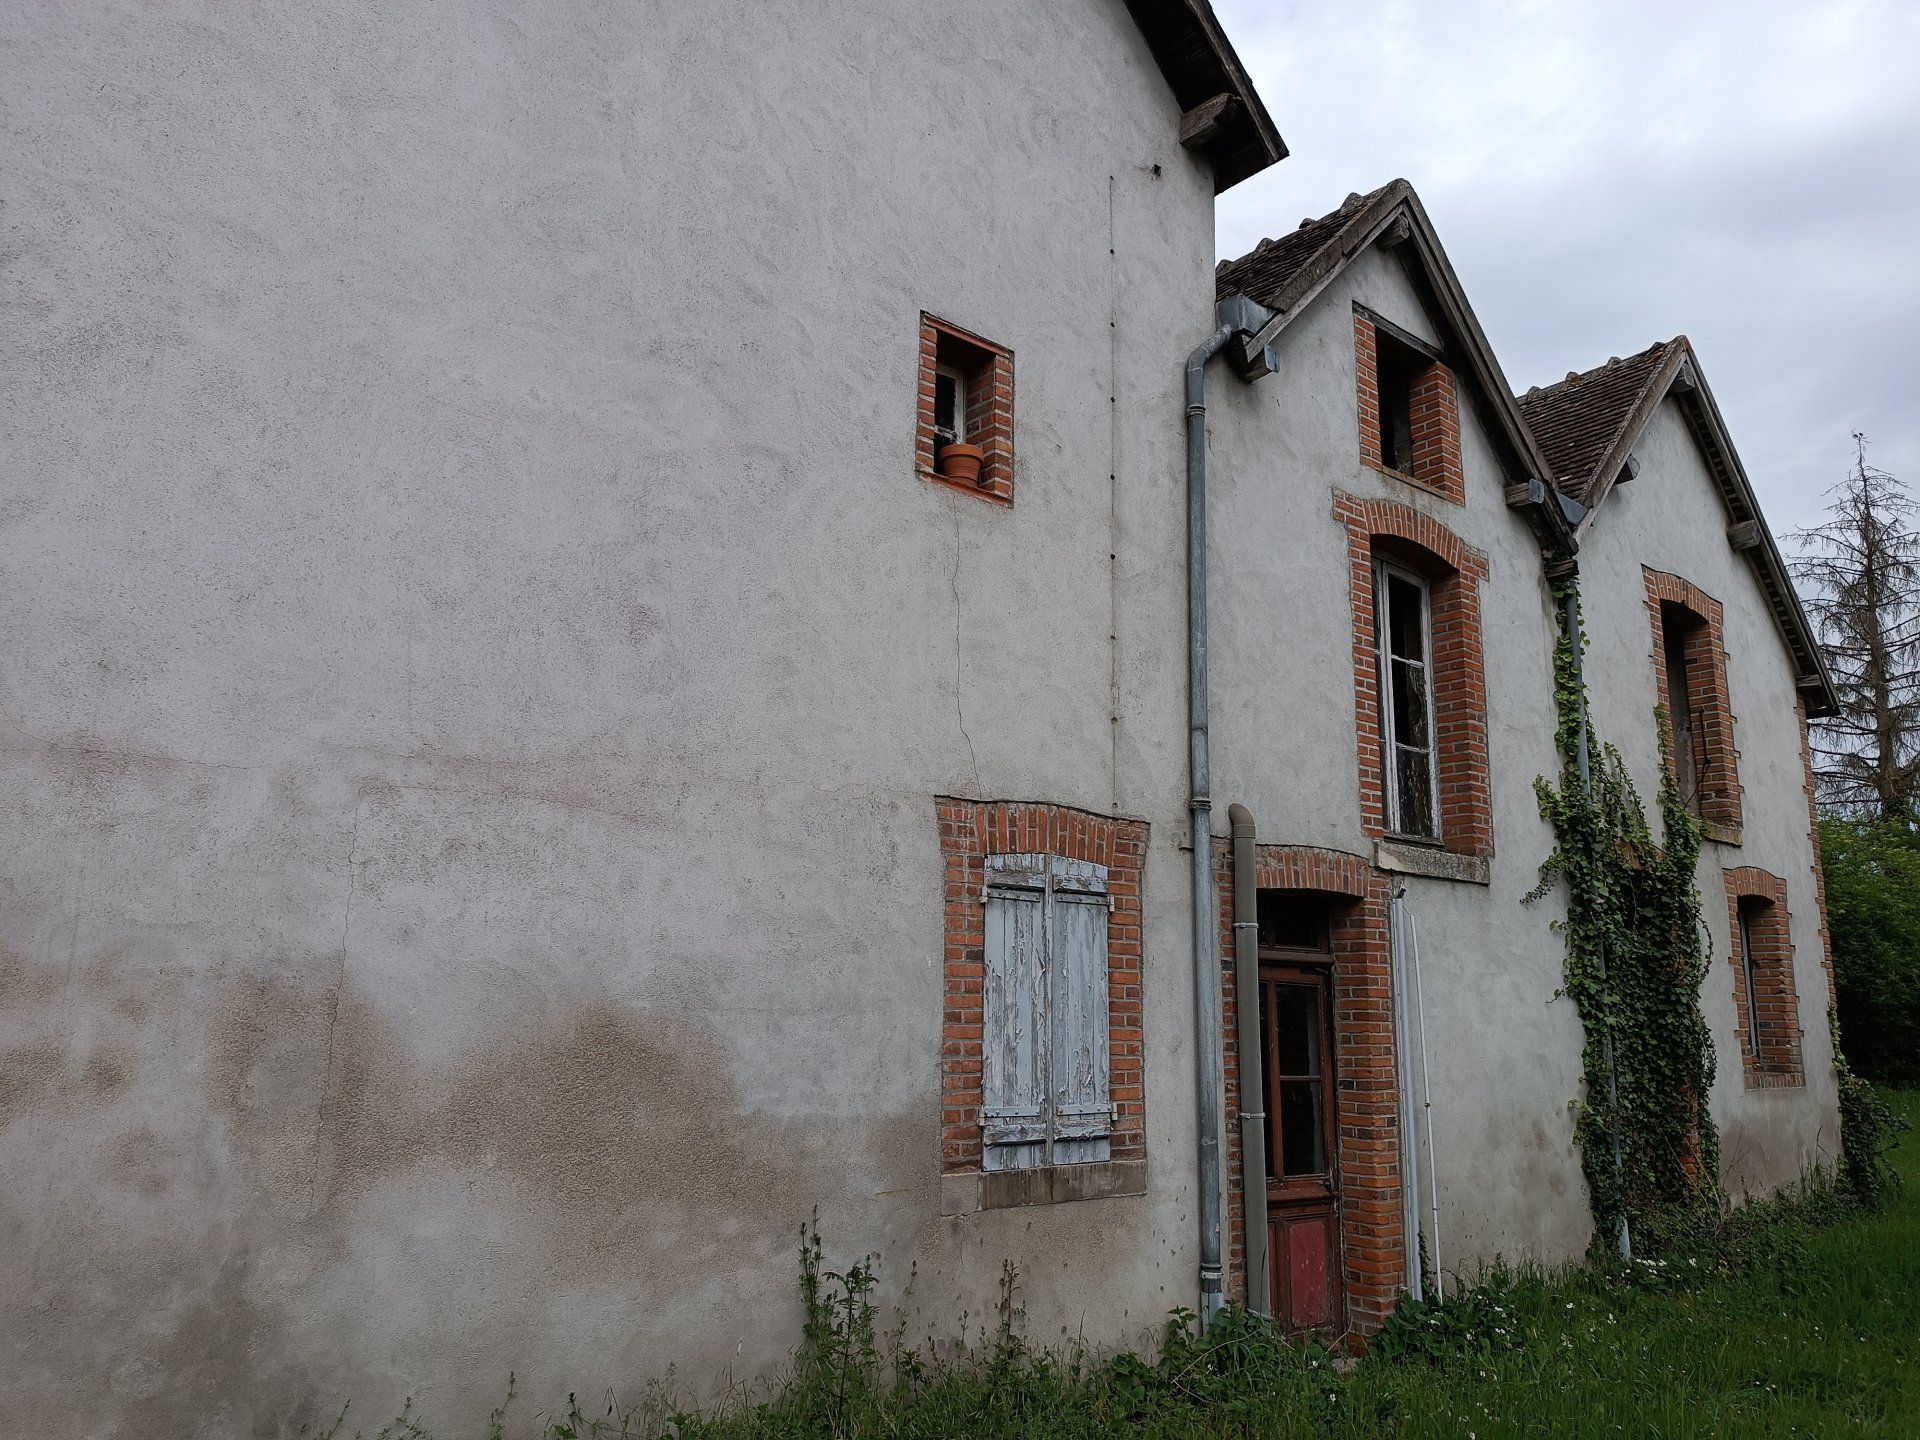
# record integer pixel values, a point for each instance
(1808, 1324)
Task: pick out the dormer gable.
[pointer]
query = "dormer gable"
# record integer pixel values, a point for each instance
(1587, 426)
(1288, 273)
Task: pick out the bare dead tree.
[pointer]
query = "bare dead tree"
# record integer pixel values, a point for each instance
(1859, 574)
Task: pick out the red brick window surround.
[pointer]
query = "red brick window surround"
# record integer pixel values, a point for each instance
(1690, 673)
(1373, 1256)
(1766, 1003)
(993, 846)
(1409, 409)
(966, 398)
(1452, 571)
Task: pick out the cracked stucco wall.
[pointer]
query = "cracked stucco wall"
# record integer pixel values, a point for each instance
(478, 663)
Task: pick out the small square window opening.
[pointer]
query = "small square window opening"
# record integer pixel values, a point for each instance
(965, 433)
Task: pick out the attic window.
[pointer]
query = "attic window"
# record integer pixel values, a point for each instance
(1397, 370)
(1409, 415)
(965, 435)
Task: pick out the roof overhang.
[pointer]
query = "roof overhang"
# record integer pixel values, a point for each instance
(1222, 116)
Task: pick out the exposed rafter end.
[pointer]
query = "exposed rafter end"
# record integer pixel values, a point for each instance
(1200, 124)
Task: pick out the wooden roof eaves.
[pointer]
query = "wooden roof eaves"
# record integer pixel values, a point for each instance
(1202, 68)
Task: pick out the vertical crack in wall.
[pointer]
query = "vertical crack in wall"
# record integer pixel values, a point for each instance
(959, 704)
(333, 1005)
(1113, 508)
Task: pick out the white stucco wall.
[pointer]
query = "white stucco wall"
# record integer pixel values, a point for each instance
(1672, 519)
(479, 662)
(1503, 1053)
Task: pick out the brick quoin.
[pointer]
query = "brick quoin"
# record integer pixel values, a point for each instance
(971, 830)
(1454, 571)
(1770, 1060)
(1716, 762)
(989, 410)
(1435, 462)
(1366, 1098)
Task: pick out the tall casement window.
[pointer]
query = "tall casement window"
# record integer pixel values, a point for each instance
(1042, 1093)
(1046, 1098)
(1403, 616)
(965, 429)
(1690, 671)
(1419, 689)
(1409, 408)
(1765, 998)
(1682, 639)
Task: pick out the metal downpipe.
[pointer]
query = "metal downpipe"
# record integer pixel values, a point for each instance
(1206, 969)
(1253, 1089)
(1583, 756)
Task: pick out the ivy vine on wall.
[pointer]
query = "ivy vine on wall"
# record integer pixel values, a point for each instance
(1634, 966)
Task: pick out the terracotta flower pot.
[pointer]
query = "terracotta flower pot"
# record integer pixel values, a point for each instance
(962, 463)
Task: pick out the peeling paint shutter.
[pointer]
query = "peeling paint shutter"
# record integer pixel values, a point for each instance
(1082, 1099)
(1014, 1085)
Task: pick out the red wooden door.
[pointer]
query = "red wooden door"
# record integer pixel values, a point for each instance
(1303, 1220)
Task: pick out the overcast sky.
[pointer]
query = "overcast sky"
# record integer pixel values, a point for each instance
(1604, 175)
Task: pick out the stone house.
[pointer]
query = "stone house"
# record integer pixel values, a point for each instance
(532, 771)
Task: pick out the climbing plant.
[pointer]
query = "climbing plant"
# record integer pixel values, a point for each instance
(1635, 961)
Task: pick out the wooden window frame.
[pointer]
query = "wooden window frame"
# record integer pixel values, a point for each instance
(1766, 999)
(1454, 573)
(970, 831)
(1433, 460)
(1022, 1142)
(987, 369)
(1386, 569)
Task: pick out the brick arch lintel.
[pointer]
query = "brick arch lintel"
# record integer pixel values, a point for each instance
(1312, 867)
(1375, 518)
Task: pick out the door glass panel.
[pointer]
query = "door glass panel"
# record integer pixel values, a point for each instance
(1297, 1045)
(1300, 1149)
(1293, 920)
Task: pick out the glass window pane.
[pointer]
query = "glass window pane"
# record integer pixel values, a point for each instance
(946, 404)
(1297, 1041)
(1292, 919)
(1301, 1152)
(1406, 631)
(1413, 774)
(1410, 704)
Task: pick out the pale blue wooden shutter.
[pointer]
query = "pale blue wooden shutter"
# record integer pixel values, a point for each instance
(1081, 1089)
(1013, 1118)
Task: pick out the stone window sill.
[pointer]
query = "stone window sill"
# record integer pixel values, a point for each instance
(1409, 857)
(972, 1191)
(1425, 487)
(1719, 833)
(1774, 1080)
